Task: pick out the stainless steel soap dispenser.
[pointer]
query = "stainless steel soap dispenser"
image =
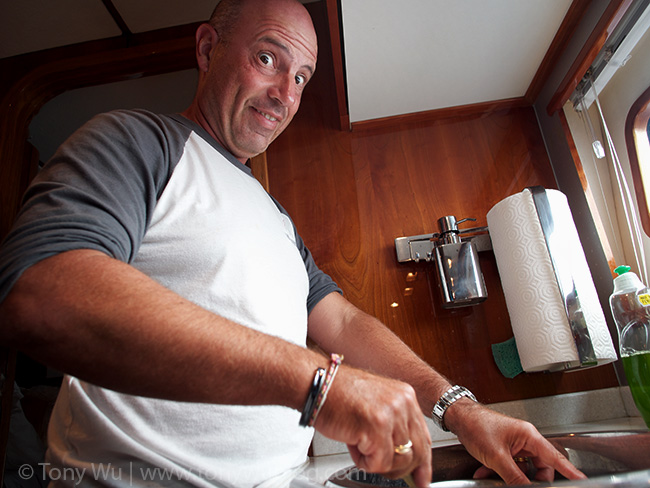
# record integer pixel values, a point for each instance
(461, 279)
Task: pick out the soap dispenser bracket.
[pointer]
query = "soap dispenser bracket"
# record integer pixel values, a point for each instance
(421, 247)
(454, 251)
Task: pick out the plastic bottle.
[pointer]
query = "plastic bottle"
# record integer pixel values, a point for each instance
(630, 304)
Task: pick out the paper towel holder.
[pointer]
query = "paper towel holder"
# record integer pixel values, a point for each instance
(456, 257)
(565, 281)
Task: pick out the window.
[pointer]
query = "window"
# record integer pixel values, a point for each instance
(608, 119)
(637, 132)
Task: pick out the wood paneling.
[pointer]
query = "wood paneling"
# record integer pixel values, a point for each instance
(352, 193)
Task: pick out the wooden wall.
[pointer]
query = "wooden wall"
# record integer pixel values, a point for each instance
(352, 193)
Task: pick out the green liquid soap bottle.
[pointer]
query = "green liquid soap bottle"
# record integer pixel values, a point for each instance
(630, 304)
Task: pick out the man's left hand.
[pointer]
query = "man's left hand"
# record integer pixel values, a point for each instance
(496, 440)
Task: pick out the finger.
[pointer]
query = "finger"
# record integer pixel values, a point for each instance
(376, 453)
(420, 458)
(422, 476)
(545, 474)
(422, 473)
(548, 459)
(522, 463)
(483, 472)
(403, 457)
(417, 462)
(510, 472)
(554, 460)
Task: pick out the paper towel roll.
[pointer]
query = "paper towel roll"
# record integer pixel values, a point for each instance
(536, 308)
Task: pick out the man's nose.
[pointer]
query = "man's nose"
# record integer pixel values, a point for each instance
(284, 90)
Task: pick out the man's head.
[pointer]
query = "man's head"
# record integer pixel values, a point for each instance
(254, 59)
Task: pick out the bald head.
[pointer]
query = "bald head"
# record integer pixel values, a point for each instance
(227, 12)
(255, 58)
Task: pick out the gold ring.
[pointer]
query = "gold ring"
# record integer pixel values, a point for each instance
(521, 459)
(404, 448)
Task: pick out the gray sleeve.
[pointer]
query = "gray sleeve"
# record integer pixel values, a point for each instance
(320, 283)
(97, 192)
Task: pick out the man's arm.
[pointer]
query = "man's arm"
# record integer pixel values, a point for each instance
(336, 325)
(103, 321)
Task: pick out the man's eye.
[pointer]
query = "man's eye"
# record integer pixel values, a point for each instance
(300, 80)
(266, 59)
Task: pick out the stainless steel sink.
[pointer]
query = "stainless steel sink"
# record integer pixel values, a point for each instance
(609, 459)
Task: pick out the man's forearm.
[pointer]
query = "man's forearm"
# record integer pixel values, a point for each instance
(105, 322)
(368, 344)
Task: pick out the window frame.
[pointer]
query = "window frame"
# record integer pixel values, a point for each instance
(636, 131)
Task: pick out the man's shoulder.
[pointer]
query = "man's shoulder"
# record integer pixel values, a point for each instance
(135, 127)
(136, 118)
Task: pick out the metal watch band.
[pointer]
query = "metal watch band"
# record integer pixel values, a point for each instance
(451, 396)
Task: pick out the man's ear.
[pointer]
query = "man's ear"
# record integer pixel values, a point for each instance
(206, 39)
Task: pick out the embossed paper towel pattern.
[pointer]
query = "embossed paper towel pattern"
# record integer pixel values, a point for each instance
(535, 305)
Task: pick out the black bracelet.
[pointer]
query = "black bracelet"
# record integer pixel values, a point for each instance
(310, 404)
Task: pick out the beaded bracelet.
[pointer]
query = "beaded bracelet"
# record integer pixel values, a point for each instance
(335, 362)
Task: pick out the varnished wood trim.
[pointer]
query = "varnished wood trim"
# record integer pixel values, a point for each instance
(16, 67)
(608, 21)
(442, 113)
(564, 33)
(337, 58)
(260, 169)
(637, 120)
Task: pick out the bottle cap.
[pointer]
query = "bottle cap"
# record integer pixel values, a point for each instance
(622, 269)
(626, 281)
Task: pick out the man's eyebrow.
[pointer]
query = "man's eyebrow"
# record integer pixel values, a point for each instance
(286, 49)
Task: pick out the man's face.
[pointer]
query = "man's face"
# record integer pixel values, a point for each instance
(255, 79)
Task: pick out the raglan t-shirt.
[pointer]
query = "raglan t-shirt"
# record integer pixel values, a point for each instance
(156, 191)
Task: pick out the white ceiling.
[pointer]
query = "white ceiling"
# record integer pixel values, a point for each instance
(418, 55)
(401, 57)
(32, 25)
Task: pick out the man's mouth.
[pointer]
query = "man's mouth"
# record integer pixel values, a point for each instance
(267, 116)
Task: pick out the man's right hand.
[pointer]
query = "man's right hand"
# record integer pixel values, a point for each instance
(373, 415)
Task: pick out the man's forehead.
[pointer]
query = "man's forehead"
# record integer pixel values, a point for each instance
(289, 21)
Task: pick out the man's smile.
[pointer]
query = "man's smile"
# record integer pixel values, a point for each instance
(267, 116)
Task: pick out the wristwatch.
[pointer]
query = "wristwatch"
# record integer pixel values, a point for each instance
(451, 396)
